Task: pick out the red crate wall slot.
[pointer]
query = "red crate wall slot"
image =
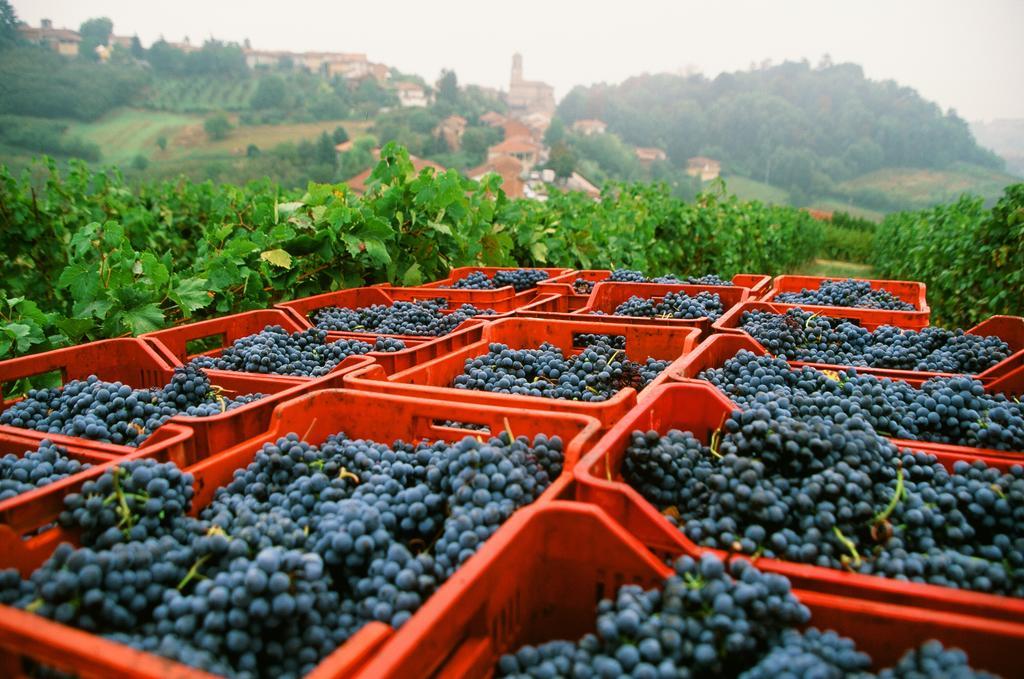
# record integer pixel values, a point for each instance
(428, 373)
(315, 416)
(699, 407)
(544, 580)
(911, 292)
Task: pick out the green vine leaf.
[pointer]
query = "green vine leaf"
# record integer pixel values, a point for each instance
(279, 258)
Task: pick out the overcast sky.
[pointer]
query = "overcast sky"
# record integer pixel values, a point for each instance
(966, 55)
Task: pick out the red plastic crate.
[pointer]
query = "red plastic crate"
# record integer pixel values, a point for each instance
(607, 296)
(300, 310)
(478, 297)
(431, 374)
(19, 511)
(911, 292)
(757, 284)
(24, 514)
(717, 349)
(139, 365)
(1008, 328)
(544, 580)
(700, 408)
(173, 344)
(379, 417)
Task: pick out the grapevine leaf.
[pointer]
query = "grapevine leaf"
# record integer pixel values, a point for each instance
(154, 270)
(145, 318)
(191, 294)
(278, 257)
(98, 309)
(75, 328)
(413, 275)
(241, 247)
(377, 251)
(81, 280)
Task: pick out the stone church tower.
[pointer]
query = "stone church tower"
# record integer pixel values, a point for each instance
(528, 96)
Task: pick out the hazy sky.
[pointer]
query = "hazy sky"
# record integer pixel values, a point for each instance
(967, 55)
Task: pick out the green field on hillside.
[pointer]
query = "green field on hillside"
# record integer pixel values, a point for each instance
(197, 95)
(125, 133)
(922, 188)
(751, 189)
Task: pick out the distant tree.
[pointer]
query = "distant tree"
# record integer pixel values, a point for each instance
(217, 126)
(165, 58)
(327, 106)
(562, 160)
(325, 153)
(616, 159)
(94, 32)
(216, 58)
(476, 140)
(448, 87)
(137, 50)
(161, 141)
(271, 92)
(339, 136)
(285, 63)
(252, 151)
(555, 132)
(8, 25)
(139, 162)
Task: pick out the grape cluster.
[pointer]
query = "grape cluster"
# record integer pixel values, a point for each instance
(953, 410)
(673, 305)
(275, 351)
(597, 373)
(847, 293)
(520, 279)
(799, 335)
(933, 660)
(133, 501)
(113, 412)
(715, 619)
(35, 469)
(428, 317)
(292, 557)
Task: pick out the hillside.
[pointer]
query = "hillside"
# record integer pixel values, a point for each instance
(804, 129)
(900, 188)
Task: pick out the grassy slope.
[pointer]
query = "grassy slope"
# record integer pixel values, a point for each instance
(124, 133)
(928, 187)
(829, 267)
(750, 189)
